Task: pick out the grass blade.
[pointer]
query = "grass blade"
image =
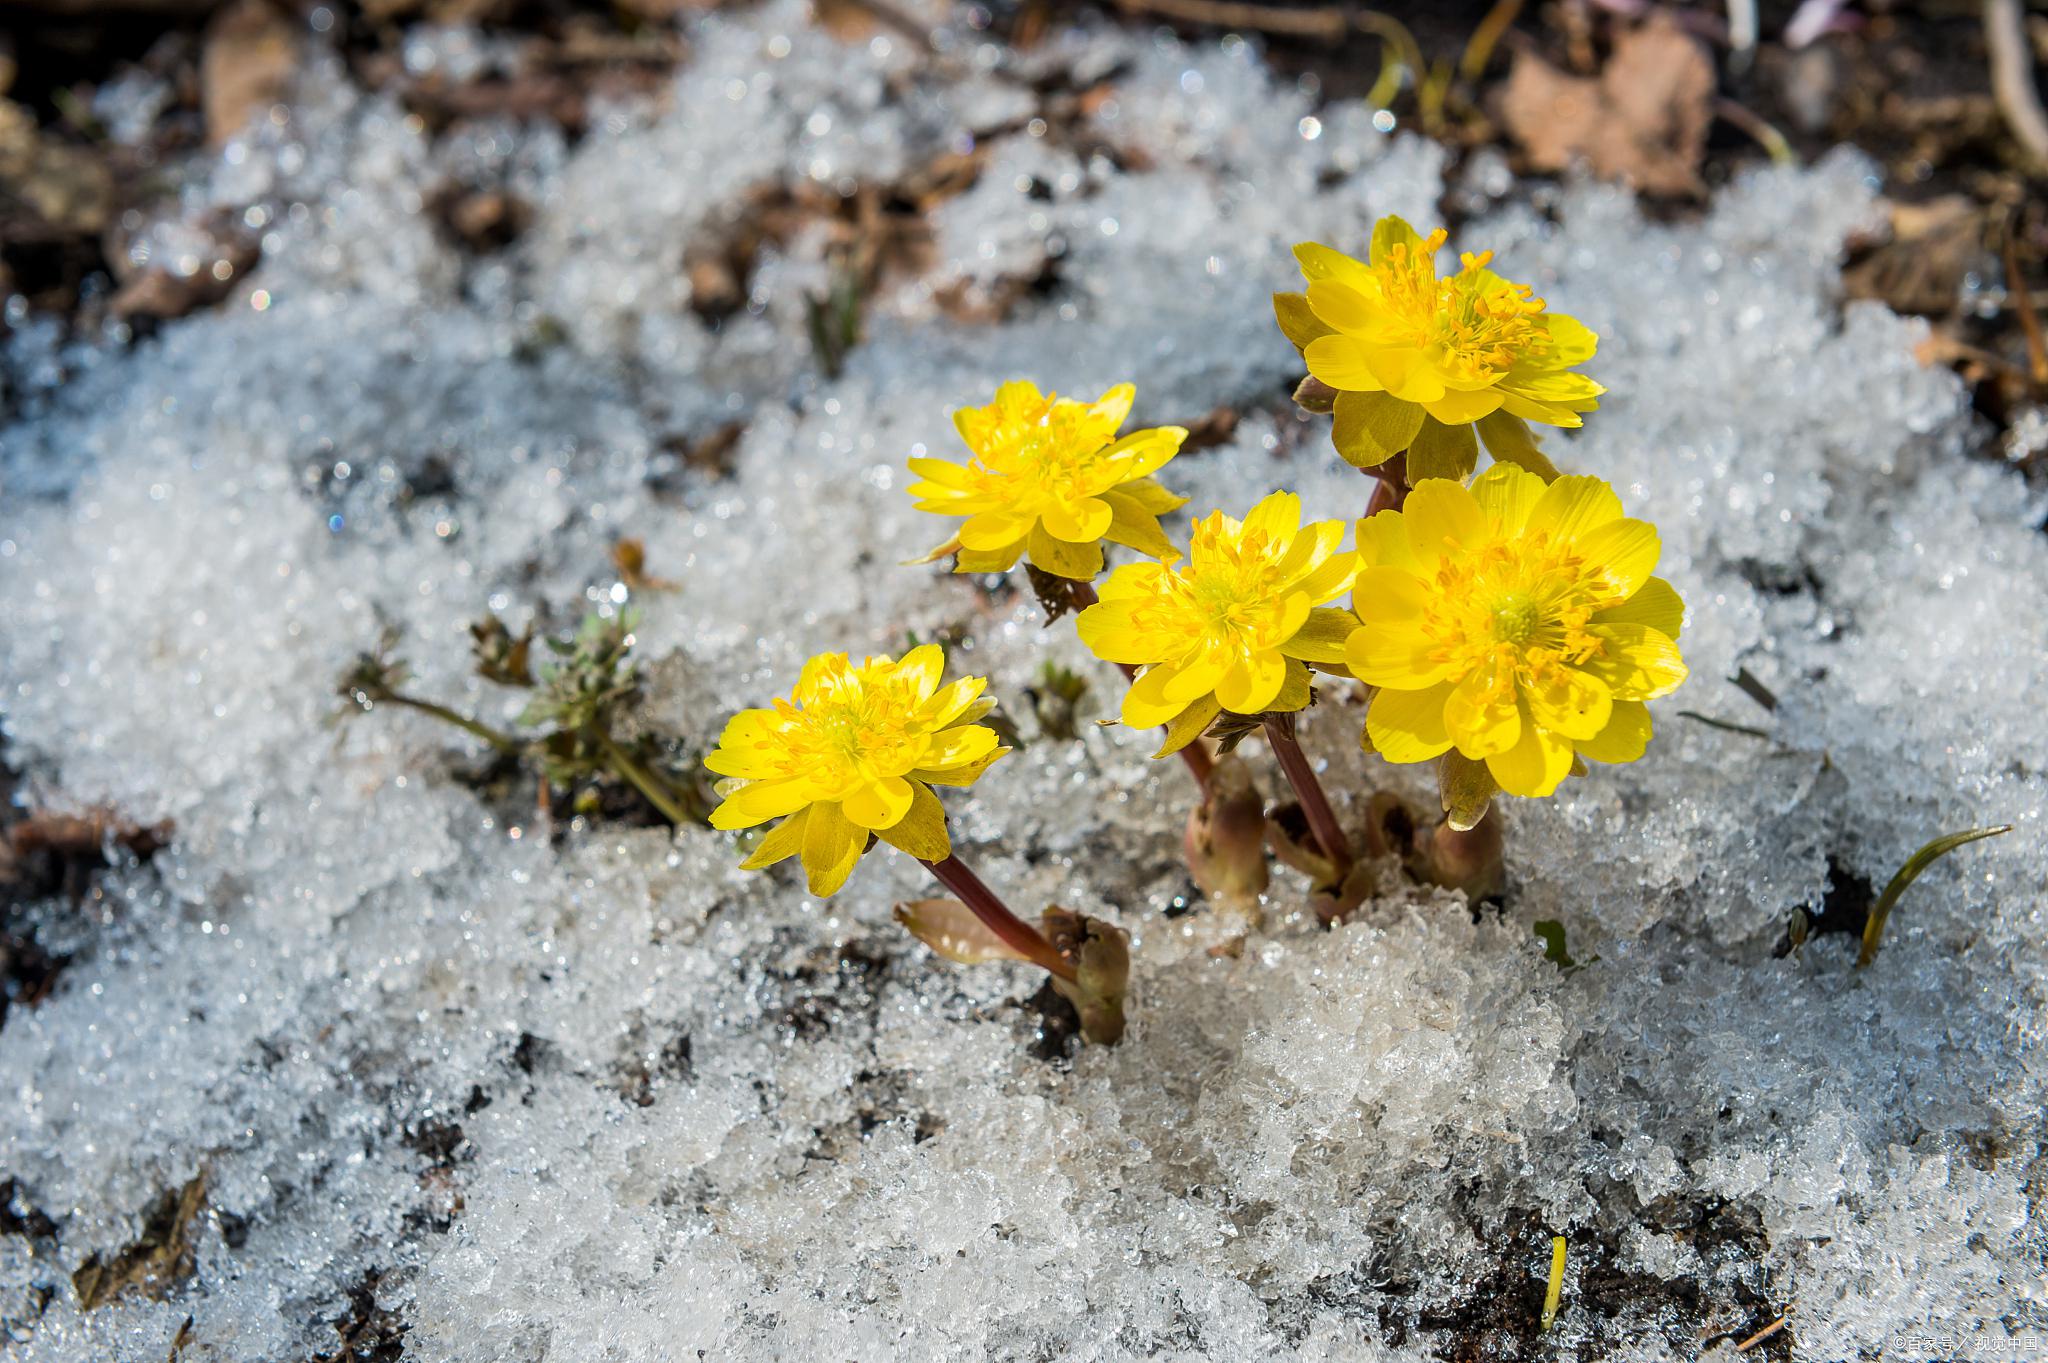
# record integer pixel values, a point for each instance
(1873, 927)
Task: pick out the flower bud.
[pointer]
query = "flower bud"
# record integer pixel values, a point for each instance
(1225, 844)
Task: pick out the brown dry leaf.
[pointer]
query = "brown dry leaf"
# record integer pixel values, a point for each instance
(1921, 267)
(1643, 119)
(66, 190)
(160, 1258)
(249, 53)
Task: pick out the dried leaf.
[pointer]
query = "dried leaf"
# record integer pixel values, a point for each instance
(248, 55)
(160, 1258)
(951, 929)
(1644, 119)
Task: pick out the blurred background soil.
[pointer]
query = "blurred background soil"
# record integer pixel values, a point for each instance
(102, 103)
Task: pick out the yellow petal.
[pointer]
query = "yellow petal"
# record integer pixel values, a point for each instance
(1655, 604)
(1145, 704)
(1389, 597)
(757, 802)
(1569, 702)
(1396, 657)
(881, 803)
(1252, 682)
(1340, 362)
(1571, 341)
(1625, 552)
(1391, 231)
(958, 776)
(1506, 495)
(1080, 522)
(1108, 631)
(957, 747)
(1543, 413)
(1144, 452)
(1567, 390)
(944, 472)
(1341, 306)
(922, 830)
(922, 667)
(1462, 407)
(1481, 713)
(1370, 428)
(1441, 451)
(1133, 582)
(1382, 540)
(1197, 677)
(989, 530)
(784, 840)
(1571, 506)
(832, 848)
(1322, 636)
(1318, 261)
(1442, 516)
(1625, 737)
(1636, 662)
(1334, 577)
(948, 704)
(1408, 726)
(1277, 516)
(1081, 562)
(1538, 762)
(1113, 406)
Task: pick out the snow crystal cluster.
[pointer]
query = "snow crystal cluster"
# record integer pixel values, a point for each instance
(602, 1096)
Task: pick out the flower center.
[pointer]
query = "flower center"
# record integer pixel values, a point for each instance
(1473, 325)
(856, 729)
(1056, 459)
(1231, 592)
(1525, 602)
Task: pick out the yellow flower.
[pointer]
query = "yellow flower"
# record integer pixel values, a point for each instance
(1235, 626)
(1516, 622)
(854, 750)
(1050, 478)
(1419, 360)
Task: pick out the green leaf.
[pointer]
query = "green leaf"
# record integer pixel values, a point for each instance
(1552, 933)
(1873, 927)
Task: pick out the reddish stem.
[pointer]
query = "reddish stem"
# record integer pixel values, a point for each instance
(1315, 806)
(1018, 935)
(1200, 764)
(1390, 493)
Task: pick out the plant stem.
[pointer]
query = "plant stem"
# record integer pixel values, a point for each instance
(1200, 765)
(503, 742)
(1391, 492)
(1315, 806)
(643, 780)
(1026, 940)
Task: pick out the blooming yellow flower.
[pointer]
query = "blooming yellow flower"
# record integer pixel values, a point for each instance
(1419, 360)
(1516, 622)
(1049, 478)
(854, 750)
(1235, 626)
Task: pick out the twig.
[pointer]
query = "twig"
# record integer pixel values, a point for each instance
(2012, 77)
(2030, 324)
(1763, 1334)
(642, 780)
(1325, 24)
